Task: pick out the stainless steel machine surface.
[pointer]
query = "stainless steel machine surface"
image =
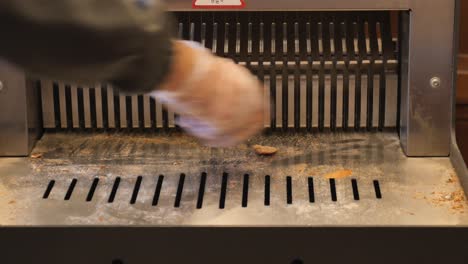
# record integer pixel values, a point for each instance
(293, 188)
(361, 111)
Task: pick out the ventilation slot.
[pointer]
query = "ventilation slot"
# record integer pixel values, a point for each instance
(114, 190)
(201, 190)
(222, 197)
(157, 192)
(136, 189)
(267, 190)
(94, 185)
(289, 198)
(333, 190)
(70, 190)
(47, 192)
(355, 189)
(245, 190)
(180, 189)
(378, 193)
(310, 182)
(204, 188)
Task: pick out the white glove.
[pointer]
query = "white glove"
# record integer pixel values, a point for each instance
(220, 102)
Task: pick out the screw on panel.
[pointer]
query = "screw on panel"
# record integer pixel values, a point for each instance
(435, 82)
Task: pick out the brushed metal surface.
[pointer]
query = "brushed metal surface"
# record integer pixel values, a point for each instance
(19, 112)
(427, 52)
(415, 191)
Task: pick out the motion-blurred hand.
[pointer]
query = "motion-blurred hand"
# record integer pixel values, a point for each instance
(219, 102)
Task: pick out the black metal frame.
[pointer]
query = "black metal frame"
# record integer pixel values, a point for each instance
(134, 245)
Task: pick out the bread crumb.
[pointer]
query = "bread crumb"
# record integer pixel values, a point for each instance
(340, 174)
(264, 150)
(36, 155)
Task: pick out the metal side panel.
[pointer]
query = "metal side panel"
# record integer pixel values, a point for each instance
(352, 179)
(20, 124)
(427, 67)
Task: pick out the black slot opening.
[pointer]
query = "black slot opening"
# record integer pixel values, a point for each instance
(105, 105)
(311, 190)
(81, 111)
(117, 110)
(180, 189)
(141, 112)
(201, 190)
(94, 185)
(355, 189)
(136, 189)
(68, 106)
(378, 192)
(333, 95)
(57, 112)
(113, 193)
(289, 198)
(92, 107)
(49, 188)
(70, 189)
(245, 190)
(267, 190)
(285, 96)
(153, 112)
(129, 109)
(222, 198)
(157, 192)
(333, 190)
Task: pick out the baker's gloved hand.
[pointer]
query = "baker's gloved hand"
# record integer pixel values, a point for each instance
(219, 102)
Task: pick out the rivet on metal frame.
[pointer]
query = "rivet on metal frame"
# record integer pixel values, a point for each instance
(435, 82)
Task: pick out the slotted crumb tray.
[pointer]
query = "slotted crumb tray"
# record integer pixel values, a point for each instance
(170, 180)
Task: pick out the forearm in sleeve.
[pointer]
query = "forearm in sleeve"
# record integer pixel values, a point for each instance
(124, 42)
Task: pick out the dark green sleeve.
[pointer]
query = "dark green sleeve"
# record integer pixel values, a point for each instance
(124, 42)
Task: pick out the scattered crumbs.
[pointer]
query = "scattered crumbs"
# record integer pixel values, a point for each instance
(36, 155)
(459, 196)
(12, 202)
(340, 174)
(448, 197)
(452, 179)
(456, 201)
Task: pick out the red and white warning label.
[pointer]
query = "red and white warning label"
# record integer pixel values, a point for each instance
(218, 4)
